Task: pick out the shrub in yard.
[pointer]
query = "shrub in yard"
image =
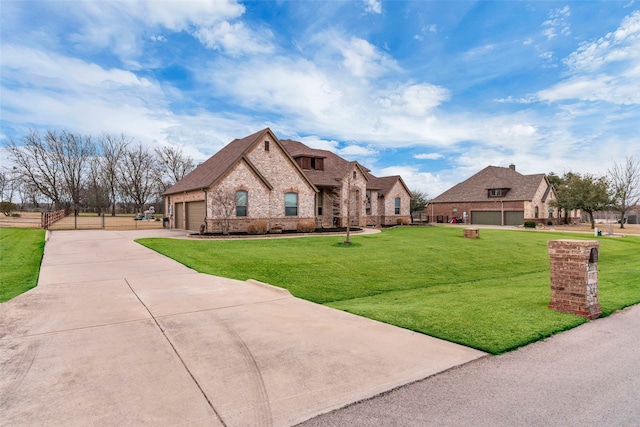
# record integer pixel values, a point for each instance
(403, 221)
(306, 226)
(257, 227)
(7, 207)
(529, 224)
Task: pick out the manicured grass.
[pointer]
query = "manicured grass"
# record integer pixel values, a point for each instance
(21, 252)
(489, 293)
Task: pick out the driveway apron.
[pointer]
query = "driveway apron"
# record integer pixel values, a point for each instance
(116, 333)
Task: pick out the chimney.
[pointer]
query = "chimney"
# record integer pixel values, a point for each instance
(512, 167)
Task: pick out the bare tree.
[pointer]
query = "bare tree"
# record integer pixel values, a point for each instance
(97, 190)
(112, 150)
(8, 182)
(223, 203)
(137, 173)
(38, 166)
(72, 152)
(175, 165)
(624, 181)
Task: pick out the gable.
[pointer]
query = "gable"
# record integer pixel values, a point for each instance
(217, 166)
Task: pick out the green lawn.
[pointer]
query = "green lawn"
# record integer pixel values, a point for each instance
(491, 293)
(21, 252)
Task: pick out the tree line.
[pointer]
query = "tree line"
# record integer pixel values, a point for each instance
(63, 169)
(618, 190)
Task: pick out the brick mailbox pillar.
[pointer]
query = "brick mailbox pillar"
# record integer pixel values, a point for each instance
(574, 277)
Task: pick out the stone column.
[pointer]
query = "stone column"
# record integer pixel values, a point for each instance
(574, 277)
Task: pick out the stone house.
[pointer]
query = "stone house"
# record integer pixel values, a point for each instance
(260, 178)
(497, 196)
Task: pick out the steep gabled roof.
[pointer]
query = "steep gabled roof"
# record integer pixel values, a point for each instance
(475, 189)
(385, 184)
(335, 167)
(209, 172)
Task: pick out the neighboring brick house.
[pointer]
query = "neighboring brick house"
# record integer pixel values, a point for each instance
(497, 196)
(260, 178)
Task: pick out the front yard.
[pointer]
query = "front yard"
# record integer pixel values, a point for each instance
(491, 293)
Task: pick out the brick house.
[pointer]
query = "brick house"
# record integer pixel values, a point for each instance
(497, 196)
(260, 178)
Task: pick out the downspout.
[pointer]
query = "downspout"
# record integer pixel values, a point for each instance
(206, 210)
(502, 212)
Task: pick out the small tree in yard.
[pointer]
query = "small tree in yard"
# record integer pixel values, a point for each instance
(419, 202)
(624, 180)
(589, 193)
(7, 207)
(223, 205)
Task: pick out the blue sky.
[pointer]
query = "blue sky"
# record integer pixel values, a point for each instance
(431, 90)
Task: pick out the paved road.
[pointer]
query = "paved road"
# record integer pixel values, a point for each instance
(116, 334)
(588, 376)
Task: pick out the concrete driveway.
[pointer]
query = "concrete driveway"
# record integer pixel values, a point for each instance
(116, 334)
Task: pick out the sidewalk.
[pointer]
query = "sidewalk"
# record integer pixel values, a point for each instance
(116, 334)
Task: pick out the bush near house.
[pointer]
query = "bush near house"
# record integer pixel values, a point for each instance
(7, 207)
(257, 227)
(307, 226)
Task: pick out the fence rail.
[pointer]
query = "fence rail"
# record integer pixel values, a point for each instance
(65, 220)
(49, 218)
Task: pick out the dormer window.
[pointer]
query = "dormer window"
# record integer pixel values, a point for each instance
(313, 163)
(495, 192)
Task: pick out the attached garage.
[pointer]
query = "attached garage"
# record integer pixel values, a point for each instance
(195, 215)
(514, 218)
(486, 217)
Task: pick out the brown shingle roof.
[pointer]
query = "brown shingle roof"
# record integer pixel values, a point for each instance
(475, 189)
(207, 173)
(335, 167)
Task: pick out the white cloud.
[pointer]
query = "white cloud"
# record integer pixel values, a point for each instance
(364, 60)
(617, 46)
(373, 6)
(357, 151)
(557, 23)
(318, 143)
(428, 156)
(605, 70)
(414, 100)
(235, 39)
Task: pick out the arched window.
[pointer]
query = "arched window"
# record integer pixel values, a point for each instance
(537, 213)
(291, 204)
(241, 202)
(397, 206)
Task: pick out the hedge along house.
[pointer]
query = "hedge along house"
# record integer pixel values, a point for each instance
(497, 196)
(257, 178)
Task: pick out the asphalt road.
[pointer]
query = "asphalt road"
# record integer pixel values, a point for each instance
(588, 376)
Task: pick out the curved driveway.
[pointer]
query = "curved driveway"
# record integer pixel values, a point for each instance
(116, 334)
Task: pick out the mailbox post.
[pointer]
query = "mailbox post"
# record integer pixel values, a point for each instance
(574, 277)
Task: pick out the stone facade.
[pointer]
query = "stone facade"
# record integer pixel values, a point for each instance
(574, 277)
(387, 206)
(328, 188)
